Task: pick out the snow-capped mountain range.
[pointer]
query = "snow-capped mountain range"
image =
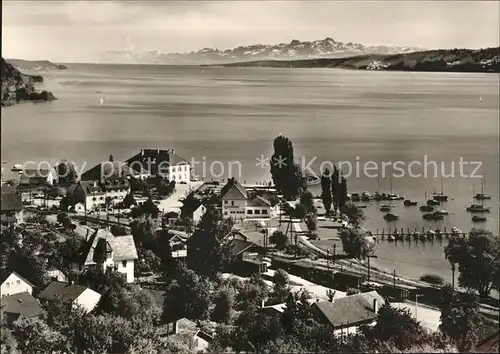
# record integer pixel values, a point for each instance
(325, 48)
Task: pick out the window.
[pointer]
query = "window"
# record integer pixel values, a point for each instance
(124, 264)
(7, 285)
(225, 201)
(225, 213)
(257, 212)
(18, 282)
(249, 212)
(173, 169)
(264, 211)
(232, 202)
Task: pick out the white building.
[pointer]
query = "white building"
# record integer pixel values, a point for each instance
(15, 284)
(118, 252)
(198, 213)
(151, 162)
(78, 296)
(236, 203)
(90, 194)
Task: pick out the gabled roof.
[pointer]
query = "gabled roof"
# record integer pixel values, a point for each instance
(108, 170)
(233, 190)
(11, 200)
(89, 187)
(350, 310)
(64, 291)
(148, 160)
(122, 247)
(23, 304)
(236, 247)
(4, 278)
(258, 201)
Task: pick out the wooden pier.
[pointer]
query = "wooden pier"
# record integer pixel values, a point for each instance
(415, 234)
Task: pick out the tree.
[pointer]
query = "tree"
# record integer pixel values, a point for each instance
(311, 223)
(252, 293)
(287, 176)
(129, 200)
(306, 199)
(188, 295)
(339, 189)
(355, 215)
(460, 317)
(111, 158)
(281, 288)
(478, 258)
(224, 303)
(150, 208)
(279, 239)
(66, 172)
(396, 326)
(299, 212)
(326, 190)
(37, 337)
(354, 243)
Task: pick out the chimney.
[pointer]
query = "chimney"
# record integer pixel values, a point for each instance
(157, 151)
(262, 303)
(375, 306)
(95, 183)
(142, 152)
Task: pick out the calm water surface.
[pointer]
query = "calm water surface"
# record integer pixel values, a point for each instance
(229, 114)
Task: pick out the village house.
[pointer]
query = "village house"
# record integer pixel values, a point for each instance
(33, 178)
(116, 189)
(11, 206)
(56, 274)
(118, 253)
(78, 296)
(15, 284)
(346, 314)
(196, 339)
(109, 171)
(20, 306)
(90, 194)
(198, 213)
(152, 162)
(243, 257)
(237, 204)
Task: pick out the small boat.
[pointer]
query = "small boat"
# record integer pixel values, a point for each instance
(407, 237)
(476, 218)
(432, 216)
(385, 207)
(355, 197)
(415, 236)
(440, 197)
(481, 196)
(433, 202)
(362, 206)
(455, 230)
(313, 180)
(366, 196)
(431, 234)
(377, 196)
(391, 217)
(391, 238)
(477, 208)
(441, 212)
(426, 208)
(422, 237)
(393, 197)
(408, 202)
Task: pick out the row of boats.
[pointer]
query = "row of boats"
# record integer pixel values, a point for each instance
(423, 236)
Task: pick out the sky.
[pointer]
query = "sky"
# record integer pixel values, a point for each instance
(77, 31)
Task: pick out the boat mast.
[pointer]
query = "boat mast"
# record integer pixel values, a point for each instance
(378, 183)
(442, 191)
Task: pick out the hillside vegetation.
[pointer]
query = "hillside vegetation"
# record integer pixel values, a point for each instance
(447, 60)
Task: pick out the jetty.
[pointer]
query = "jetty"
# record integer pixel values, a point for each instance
(400, 234)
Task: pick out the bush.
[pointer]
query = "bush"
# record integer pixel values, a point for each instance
(432, 279)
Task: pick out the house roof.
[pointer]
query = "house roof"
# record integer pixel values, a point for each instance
(258, 201)
(23, 304)
(123, 247)
(64, 291)
(350, 310)
(184, 324)
(108, 170)
(11, 200)
(233, 190)
(89, 187)
(4, 278)
(236, 247)
(148, 160)
(117, 183)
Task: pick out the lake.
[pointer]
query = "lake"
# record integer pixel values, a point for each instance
(233, 114)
